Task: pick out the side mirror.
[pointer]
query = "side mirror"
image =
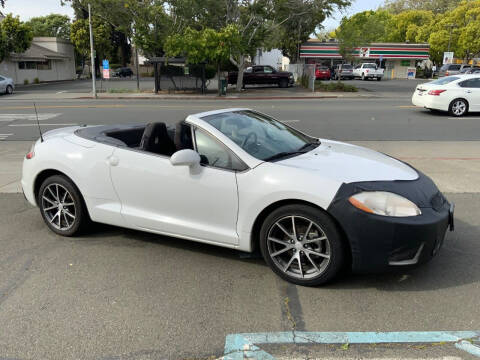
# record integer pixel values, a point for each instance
(185, 157)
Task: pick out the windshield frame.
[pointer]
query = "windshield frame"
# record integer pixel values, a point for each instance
(306, 141)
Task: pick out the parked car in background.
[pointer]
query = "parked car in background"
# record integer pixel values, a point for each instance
(452, 69)
(263, 75)
(6, 85)
(472, 70)
(343, 71)
(322, 73)
(457, 94)
(122, 72)
(367, 71)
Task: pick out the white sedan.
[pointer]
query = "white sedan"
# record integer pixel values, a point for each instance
(240, 179)
(457, 94)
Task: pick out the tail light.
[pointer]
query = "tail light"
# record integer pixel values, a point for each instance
(30, 155)
(436, 92)
(446, 73)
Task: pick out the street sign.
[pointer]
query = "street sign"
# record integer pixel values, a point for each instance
(105, 64)
(448, 57)
(106, 73)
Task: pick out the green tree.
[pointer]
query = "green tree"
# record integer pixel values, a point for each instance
(362, 29)
(80, 37)
(435, 6)
(207, 45)
(297, 20)
(15, 36)
(55, 25)
(405, 25)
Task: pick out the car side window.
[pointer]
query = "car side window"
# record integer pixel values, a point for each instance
(471, 83)
(2, 78)
(214, 153)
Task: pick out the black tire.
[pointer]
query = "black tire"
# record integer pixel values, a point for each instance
(336, 248)
(363, 77)
(455, 107)
(379, 79)
(9, 90)
(283, 83)
(78, 209)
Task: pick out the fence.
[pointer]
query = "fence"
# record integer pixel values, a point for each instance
(304, 74)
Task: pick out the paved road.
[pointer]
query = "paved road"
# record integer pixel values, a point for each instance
(342, 119)
(121, 294)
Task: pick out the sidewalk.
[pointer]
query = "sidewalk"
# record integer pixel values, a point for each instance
(443, 161)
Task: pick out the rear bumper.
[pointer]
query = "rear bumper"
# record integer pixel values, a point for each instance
(429, 101)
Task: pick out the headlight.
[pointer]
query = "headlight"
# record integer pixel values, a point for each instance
(384, 203)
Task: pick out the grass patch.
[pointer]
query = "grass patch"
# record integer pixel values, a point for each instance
(334, 86)
(122, 91)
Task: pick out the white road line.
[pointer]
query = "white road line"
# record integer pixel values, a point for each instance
(4, 136)
(30, 117)
(464, 118)
(43, 124)
(61, 92)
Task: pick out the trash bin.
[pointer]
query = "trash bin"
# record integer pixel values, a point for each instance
(223, 86)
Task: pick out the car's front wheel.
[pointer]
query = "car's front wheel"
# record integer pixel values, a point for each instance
(61, 205)
(9, 90)
(458, 107)
(302, 244)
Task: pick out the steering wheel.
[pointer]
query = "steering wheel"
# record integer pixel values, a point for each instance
(250, 134)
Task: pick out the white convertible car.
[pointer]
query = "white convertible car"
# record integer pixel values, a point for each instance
(457, 94)
(240, 179)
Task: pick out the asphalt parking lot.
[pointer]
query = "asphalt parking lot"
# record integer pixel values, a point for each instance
(121, 294)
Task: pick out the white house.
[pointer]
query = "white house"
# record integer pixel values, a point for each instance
(48, 59)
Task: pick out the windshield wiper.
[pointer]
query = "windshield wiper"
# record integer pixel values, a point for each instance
(302, 150)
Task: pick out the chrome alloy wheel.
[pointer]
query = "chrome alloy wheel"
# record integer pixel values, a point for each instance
(459, 107)
(299, 247)
(58, 206)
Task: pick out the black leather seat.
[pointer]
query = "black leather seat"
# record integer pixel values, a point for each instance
(155, 139)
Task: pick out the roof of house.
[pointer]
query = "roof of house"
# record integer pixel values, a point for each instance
(38, 53)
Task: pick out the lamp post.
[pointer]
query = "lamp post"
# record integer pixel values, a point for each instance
(92, 56)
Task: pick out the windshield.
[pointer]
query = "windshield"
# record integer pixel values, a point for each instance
(259, 135)
(444, 80)
(369, 66)
(347, 67)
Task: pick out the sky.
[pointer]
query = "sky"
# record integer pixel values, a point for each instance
(31, 8)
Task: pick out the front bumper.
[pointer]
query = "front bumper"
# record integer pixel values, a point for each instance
(381, 242)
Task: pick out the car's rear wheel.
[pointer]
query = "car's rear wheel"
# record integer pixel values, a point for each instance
(61, 205)
(302, 245)
(458, 107)
(379, 78)
(9, 89)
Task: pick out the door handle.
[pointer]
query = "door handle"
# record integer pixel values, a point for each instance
(468, 91)
(113, 161)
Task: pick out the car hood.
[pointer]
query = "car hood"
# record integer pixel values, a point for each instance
(350, 163)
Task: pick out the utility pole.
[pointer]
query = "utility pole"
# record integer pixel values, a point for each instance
(450, 37)
(92, 57)
(136, 66)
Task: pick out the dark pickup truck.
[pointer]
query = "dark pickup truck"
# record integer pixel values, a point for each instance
(263, 74)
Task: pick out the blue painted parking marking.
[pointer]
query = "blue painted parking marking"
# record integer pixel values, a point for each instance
(240, 346)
